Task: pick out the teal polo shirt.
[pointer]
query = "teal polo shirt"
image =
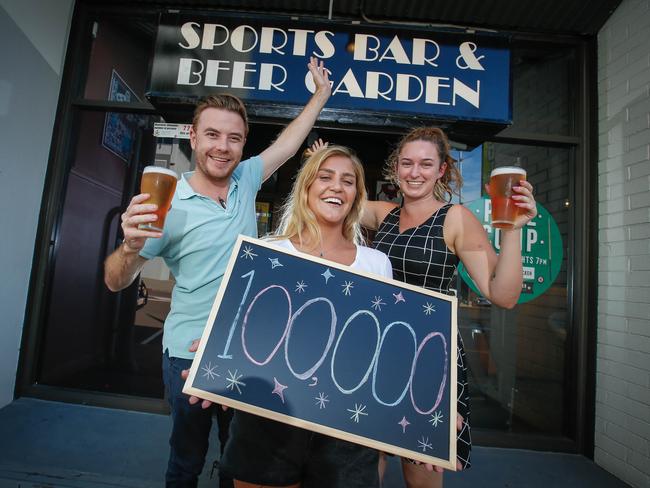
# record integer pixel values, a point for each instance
(197, 241)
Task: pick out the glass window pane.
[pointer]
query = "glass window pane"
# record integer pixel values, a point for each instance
(90, 340)
(517, 358)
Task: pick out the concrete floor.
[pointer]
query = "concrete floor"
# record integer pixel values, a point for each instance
(51, 444)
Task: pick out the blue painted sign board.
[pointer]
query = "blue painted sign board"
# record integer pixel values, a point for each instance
(437, 74)
(315, 344)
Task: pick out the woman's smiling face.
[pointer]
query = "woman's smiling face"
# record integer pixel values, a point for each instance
(332, 194)
(418, 168)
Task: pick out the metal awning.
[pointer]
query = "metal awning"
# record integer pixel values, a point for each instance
(560, 17)
(563, 20)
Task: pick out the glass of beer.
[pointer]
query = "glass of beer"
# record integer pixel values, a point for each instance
(160, 184)
(504, 210)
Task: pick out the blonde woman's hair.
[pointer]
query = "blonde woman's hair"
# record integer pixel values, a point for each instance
(298, 220)
(450, 182)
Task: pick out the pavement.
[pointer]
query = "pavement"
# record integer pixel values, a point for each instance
(51, 444)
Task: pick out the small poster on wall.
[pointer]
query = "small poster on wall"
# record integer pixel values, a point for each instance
(119, 128)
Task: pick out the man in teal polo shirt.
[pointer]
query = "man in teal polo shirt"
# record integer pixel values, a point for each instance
(211, 207)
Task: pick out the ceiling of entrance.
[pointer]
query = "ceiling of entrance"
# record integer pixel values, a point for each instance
(533, 19)
(574, 17)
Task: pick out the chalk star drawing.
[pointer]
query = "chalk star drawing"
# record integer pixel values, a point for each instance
(248, 253)
(347, 287)
(233, 381)
(300, 286)
(436, 419)
(278, 389)
(377, 303)
(327, 275)
(321, 400)
(275, 263)
(404, 423)
(210, 371)
(428, 308)
(399, 297)
(356, 411)
(424, 444)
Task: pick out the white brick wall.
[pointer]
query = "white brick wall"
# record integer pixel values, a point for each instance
(622, 438)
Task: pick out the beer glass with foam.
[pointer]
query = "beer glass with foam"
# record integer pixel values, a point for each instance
(504, 210)
(160, 184)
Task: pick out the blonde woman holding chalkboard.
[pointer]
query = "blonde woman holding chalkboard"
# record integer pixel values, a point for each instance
(320, 218)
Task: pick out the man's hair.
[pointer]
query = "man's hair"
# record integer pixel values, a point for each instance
(298, 220)
(222, 101)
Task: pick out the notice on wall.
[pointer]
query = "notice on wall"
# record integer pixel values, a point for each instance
(172, 131)
(311, 343)
(541, 249)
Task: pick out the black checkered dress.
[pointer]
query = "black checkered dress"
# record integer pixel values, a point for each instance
(420, 257)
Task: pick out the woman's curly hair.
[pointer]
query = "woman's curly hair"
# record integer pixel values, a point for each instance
(450, 182)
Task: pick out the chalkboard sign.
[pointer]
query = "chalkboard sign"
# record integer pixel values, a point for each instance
(315, 344)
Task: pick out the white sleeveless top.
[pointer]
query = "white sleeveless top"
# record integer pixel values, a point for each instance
(367, 259)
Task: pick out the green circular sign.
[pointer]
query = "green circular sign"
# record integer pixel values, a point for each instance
(541, 249)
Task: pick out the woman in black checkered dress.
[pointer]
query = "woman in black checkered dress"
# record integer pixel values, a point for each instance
(426, 237)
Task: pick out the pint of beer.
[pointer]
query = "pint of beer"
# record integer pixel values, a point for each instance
(504, 210)
(160, 184)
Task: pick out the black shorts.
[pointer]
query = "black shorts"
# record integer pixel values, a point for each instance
(262, 451)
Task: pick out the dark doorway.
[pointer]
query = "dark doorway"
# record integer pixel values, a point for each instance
(99, 341)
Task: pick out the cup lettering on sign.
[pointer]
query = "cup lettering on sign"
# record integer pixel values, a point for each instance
(160, 184)
(504, 210)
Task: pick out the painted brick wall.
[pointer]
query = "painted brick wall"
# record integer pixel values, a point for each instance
(622, 431)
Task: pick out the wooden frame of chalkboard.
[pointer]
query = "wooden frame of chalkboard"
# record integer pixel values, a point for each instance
(325, 347)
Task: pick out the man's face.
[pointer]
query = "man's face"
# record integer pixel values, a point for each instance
(218, 142)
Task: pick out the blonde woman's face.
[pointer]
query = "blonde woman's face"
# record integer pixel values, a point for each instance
(418, 169)
(332, 194)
